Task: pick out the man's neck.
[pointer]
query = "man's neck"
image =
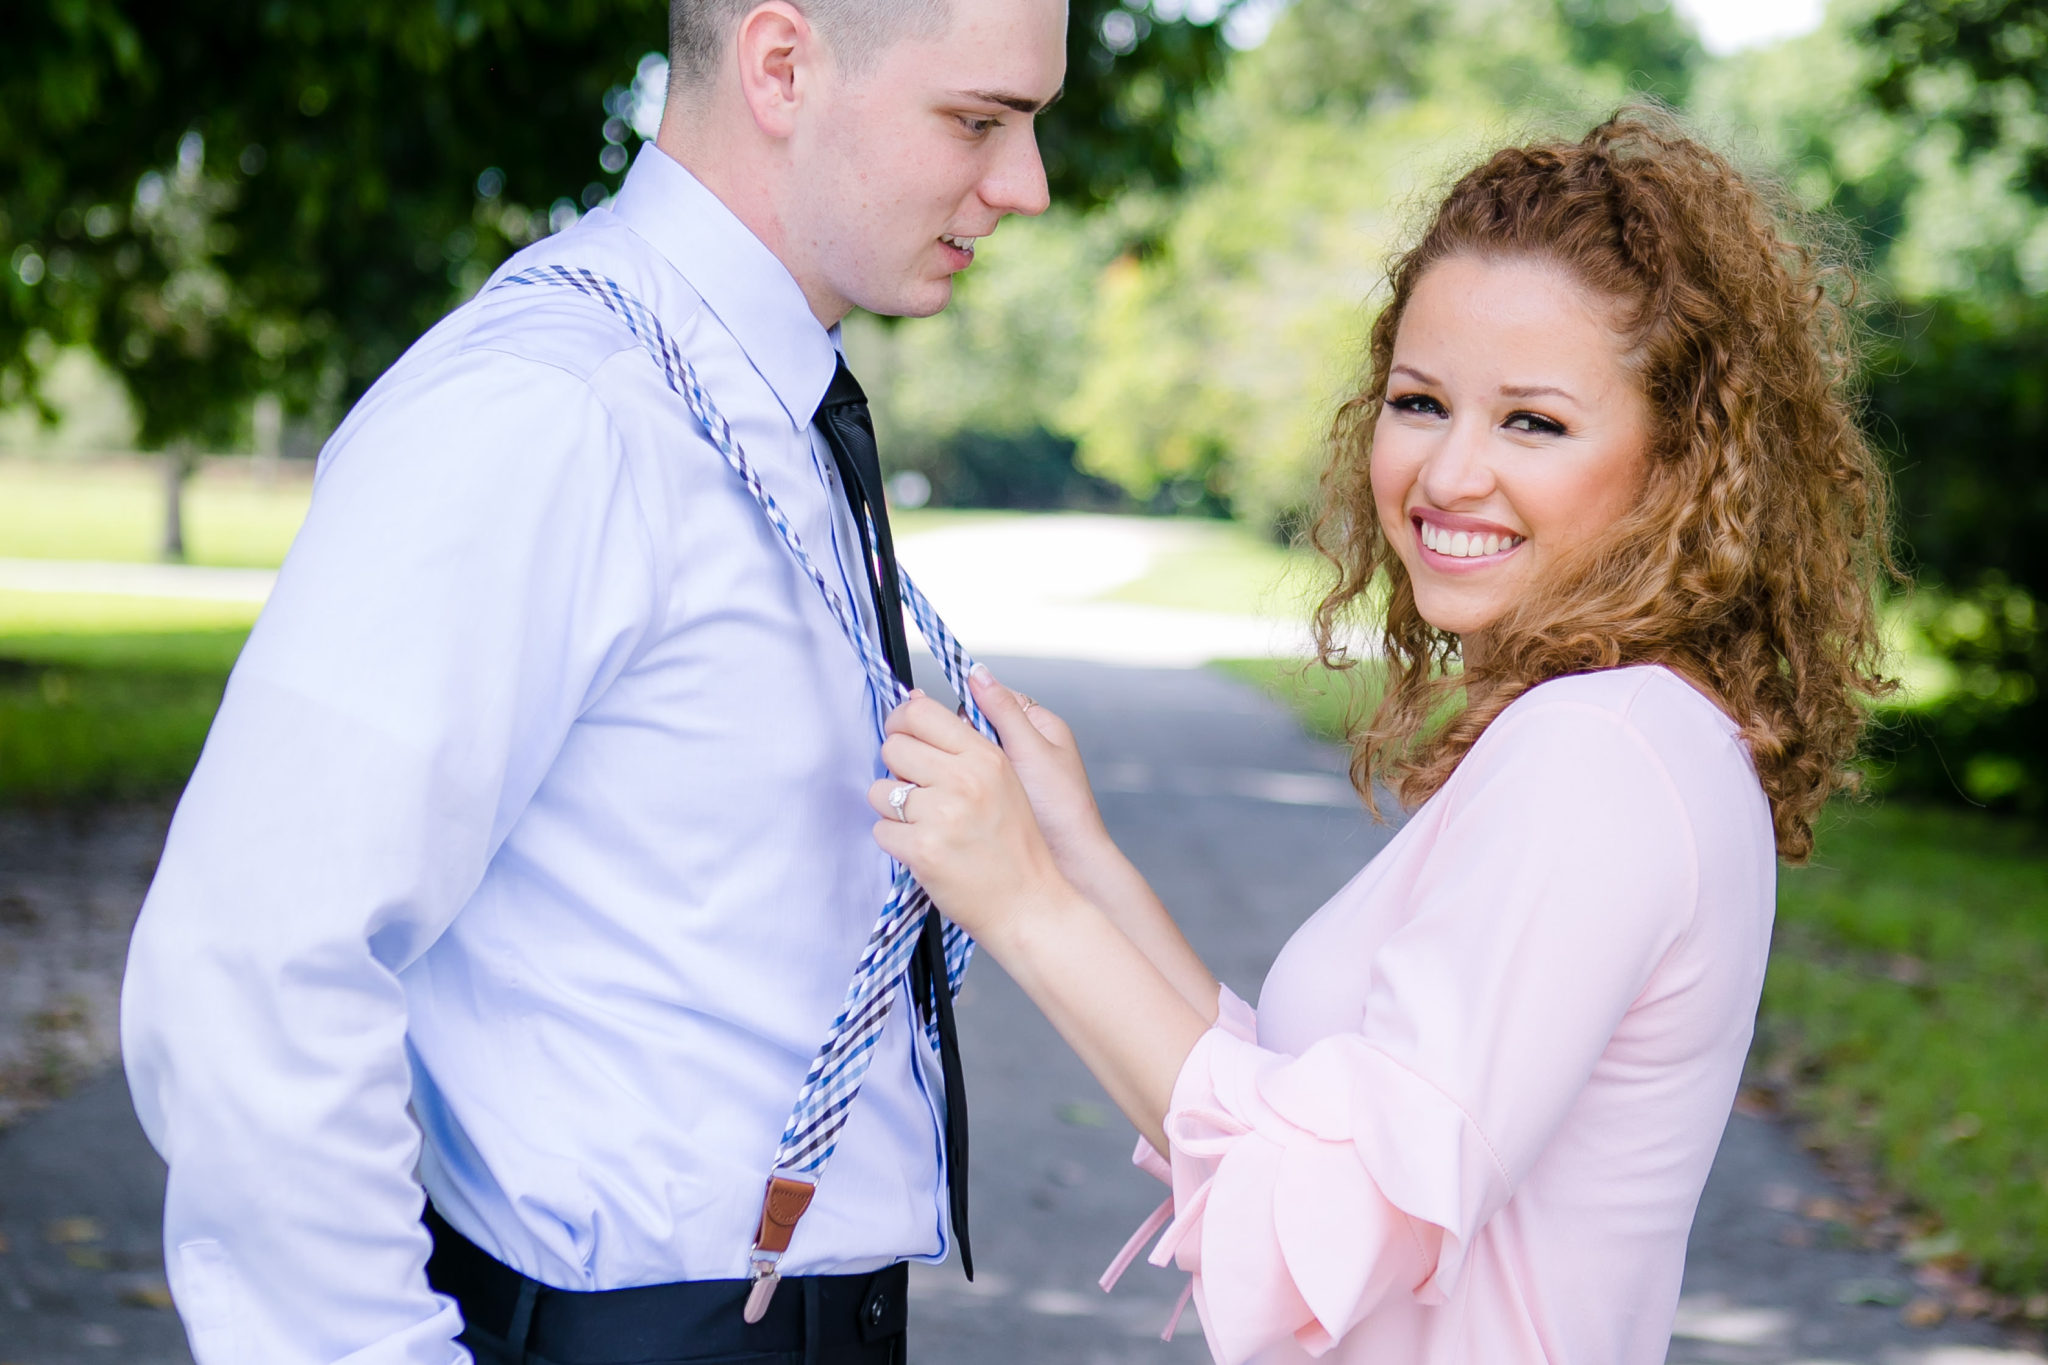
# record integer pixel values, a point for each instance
(748, 185)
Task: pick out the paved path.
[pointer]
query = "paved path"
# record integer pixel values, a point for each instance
(1242, 824)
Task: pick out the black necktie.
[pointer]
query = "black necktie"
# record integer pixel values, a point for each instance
(850, 434)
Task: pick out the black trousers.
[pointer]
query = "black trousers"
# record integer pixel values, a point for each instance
(813, 1319)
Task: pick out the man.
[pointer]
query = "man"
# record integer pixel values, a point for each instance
(529, 858)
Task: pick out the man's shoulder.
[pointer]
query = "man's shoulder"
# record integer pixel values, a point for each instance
(566, 328)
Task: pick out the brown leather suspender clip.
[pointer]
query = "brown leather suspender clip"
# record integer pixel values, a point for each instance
(781, 1208)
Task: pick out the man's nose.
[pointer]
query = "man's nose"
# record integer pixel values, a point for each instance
(1016, 184)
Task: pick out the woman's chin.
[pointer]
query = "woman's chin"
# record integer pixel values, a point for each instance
(1463, 618)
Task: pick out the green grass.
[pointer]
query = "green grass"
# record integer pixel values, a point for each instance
(1905, 1013)
(1907, 1007)
(52, 509)
(1325, 700)
(1223, 566)
(108, 698)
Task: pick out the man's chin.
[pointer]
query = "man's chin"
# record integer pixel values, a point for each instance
(919, 301)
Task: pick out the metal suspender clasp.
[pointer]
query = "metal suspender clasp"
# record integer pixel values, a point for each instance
(783, 1205)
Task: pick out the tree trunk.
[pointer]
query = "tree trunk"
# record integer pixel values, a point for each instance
(177, 470)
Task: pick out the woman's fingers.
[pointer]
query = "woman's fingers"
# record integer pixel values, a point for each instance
(922, 718)
(1048, 724)
(881, 794)
(913, 760)
(1007, 711)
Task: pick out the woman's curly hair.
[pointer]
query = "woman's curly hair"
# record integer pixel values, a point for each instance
(1749, 565)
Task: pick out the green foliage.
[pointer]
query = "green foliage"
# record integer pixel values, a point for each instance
(1965, 400)
(1979, 66)
(252, 197)
(1907, 1005)
(1886, 118)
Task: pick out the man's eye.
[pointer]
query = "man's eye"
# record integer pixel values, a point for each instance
(1419, 403)
(978, 126)
(1535, 423)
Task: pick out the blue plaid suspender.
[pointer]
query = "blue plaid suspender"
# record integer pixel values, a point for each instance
(836, 1073)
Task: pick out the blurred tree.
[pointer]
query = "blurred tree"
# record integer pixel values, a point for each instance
(244, 198)
(1962, 393)
(1980, 66)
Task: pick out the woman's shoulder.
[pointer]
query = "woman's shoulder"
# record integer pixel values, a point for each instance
(1645, 711)
(1649, 698)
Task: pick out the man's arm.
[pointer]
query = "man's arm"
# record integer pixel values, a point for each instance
(475, 568)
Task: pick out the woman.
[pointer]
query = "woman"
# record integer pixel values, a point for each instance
(1606, 458)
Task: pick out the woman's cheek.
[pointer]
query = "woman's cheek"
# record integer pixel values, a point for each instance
(1392, 476)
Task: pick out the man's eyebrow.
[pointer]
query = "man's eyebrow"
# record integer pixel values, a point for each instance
(1023, 104)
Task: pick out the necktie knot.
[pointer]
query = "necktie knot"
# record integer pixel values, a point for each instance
(843, 392)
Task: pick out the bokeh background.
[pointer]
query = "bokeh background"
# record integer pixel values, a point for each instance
(219, 223)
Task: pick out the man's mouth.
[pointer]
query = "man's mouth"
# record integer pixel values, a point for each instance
(964, 245)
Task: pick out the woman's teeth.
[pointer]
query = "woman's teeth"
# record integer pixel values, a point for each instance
(1465, 544)
(965, 244)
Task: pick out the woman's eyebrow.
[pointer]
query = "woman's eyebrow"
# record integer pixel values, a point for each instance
(1535, 391)
(1417, 375)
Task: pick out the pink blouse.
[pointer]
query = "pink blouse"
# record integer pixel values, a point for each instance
(1472, 1118)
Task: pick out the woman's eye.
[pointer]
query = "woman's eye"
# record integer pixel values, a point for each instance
(1536, 423)
(1419, 403)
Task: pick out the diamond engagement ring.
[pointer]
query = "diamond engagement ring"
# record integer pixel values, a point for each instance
(898, 798)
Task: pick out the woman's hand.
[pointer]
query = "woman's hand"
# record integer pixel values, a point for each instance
(964, 826)
(1048, 762)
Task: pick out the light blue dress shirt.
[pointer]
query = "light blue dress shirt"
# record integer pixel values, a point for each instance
(534, 826)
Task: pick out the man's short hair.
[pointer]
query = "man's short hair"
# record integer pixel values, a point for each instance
(698, 30)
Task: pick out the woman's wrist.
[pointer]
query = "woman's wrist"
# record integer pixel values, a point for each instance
(1094, 864)
(1040, 924)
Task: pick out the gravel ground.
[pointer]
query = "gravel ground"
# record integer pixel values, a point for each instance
(70, 884)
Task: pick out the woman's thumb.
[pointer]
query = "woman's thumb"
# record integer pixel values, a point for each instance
(1004, 710)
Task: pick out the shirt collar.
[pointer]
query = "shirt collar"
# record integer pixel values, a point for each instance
(740, 280)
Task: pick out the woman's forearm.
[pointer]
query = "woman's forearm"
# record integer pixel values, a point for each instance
(1109, 879)
(1128, 1023)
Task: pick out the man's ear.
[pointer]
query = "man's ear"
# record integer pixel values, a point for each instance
(778, 51)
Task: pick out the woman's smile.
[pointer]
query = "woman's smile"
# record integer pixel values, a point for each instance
(1455, 544)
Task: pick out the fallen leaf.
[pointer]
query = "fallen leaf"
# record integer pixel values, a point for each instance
(1081, 1115)
(1923, 1313)
(72, 1231)
(1825, 1208)
(1941, 1244)
(147, 1296)
(1885, 1293)
(1961, 1128)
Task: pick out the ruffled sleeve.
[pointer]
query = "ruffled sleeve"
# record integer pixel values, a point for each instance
(1309, 1188)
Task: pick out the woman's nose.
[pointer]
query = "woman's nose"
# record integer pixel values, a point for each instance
(1459, 469)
